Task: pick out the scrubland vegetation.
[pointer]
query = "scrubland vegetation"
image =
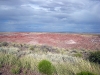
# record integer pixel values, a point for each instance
(23, 59)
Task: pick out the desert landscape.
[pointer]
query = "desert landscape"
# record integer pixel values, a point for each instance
(69, 53)
(49, 37)
(61, 40)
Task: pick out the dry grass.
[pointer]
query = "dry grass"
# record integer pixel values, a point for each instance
(64, 64)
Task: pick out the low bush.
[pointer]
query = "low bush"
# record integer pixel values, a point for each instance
(4, 44)
(95, 57)
(46, 67)
(31, 48)
(85, 73)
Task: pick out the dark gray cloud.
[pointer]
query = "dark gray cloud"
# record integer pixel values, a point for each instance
(44, 14)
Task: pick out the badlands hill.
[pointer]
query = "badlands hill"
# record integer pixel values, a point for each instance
(60, 40)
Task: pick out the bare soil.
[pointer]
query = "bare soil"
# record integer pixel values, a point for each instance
(61, 40)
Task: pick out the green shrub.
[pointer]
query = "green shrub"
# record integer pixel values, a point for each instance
(85, 73)
(31, 48)
(46, 67)
(15, 70)
(4, 44)
(95, 57)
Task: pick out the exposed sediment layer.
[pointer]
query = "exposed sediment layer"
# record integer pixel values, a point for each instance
(61, 40)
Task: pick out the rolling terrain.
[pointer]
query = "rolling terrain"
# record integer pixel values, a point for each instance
(60, 40)
(20, 53)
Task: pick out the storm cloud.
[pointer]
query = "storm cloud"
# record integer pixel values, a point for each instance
(50, 15)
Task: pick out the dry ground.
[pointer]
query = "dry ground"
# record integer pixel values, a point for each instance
(61, 40)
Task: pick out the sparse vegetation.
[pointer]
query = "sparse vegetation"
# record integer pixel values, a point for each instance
(4, 44)
(95, 57)
(25, 71)
(15, 70)
(31, 48)
(23, 60)
(0, 65)
(78, 55)
(85, 73)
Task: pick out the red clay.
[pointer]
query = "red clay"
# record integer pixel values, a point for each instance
(61, 40)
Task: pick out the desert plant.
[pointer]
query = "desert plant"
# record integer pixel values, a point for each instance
(45, 67)
(15, 70)
(95, 57)
(31, 48)
(4, 44)
(85, 73)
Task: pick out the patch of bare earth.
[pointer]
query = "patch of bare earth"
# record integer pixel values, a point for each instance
(61, 40)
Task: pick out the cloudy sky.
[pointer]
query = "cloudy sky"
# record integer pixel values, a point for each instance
(50, 15)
